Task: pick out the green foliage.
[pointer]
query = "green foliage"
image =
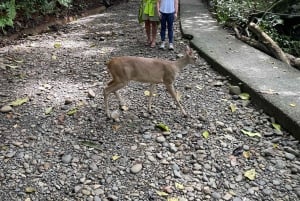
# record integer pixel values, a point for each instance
(7, 13)
(266, 13)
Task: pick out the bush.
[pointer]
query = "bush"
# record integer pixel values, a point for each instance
(272, 16)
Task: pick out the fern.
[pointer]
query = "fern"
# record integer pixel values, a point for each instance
(7, 13)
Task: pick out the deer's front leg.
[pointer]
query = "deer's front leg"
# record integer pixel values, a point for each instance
(172, 92)
(152, 89)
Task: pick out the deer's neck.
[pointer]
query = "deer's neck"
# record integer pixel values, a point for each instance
(182, 62)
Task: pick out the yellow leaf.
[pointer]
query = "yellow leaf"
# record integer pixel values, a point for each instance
(199, 87)
(250, 174)
(251, 134)
(72, 111)
(147, 93)
(163, 127)
(161, 193)
(179, 186)
(116, 127)
(19, 101)
(233, 107)
(48, 110)
(276, 126)
(57, 45)
(205, 134)
(54, 57)
(172, 199)
(244, 96)
(115, 157)
(29, 190)
(275, 146)
(246, 154)
(292, 104)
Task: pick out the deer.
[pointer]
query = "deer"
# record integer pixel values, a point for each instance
(146, 70)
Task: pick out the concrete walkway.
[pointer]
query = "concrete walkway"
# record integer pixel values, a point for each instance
(273, 85)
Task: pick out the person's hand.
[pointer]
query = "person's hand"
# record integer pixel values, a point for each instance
(175, 16)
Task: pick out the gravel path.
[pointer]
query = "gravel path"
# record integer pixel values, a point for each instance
(57, 144)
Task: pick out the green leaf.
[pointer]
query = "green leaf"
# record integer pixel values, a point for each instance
(72, 111)
(205, 134)
(19, 101)
(57, 45)
(163, 127)
(251, 134)
(244, 96)
(276, 126)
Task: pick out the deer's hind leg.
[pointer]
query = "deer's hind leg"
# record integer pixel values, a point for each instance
(112, 87)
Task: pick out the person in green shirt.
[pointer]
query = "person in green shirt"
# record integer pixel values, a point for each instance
(148, 14)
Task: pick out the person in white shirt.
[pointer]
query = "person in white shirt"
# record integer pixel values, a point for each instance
(167, 11)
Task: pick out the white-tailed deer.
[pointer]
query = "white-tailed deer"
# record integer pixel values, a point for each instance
(147, 70)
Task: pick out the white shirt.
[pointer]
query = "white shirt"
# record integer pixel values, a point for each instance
(167, 6)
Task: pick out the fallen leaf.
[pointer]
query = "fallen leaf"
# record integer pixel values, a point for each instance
(179, 186)
(54, 57)
(12, 66)
(250, 174)
(61, 119)
(275, 146)
(163, 127)
(247, 154)
(199, 87)
(244, 96)
(251, 134)
(19, 102)
(91, 144)
(233, 107)
(116, 127)
(205, 134)
(161, 193)
(115, 157)
(57, 45)
(29, 190)
(292, 104)
(276, 126)
(72, 111)
(48, 110)
(173, 199)
(147, 93)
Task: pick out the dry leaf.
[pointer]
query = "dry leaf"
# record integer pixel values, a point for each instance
(292, 104)
(48, 110)
(116, 127)
(251, 134)
(173, 199)
(250, 174)
(233, 107)
(19, 102)
(115, 157)
(29, 190)
(247, 154)
(179, 186)
(233, 160)
(161, 193)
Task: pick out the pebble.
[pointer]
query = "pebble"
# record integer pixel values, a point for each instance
(66, 158)
(290, 156)
(136, 168)
(6, 108)
(216, 195)
(161, 139)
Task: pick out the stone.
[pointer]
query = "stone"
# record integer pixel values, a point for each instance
(66, 158)
(6, 109)
(136, 168)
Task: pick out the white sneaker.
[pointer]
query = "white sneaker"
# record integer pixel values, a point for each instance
(162, 45)
(171, 46)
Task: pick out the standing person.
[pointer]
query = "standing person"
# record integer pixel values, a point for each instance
(167, 11)
(149, 15)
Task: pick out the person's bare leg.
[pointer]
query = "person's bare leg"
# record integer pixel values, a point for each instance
(153, 32)
(148, 31)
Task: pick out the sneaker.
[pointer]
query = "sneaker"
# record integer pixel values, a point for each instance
(171, 46)
(162, 45)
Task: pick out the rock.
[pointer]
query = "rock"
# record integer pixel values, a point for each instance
(227, 196)
(136, 168)
(66, 158)
(115, 115)
(6, 108)
(97, 198)
(91, 93)
(216, 195)
(289, 156)
(160, 139)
